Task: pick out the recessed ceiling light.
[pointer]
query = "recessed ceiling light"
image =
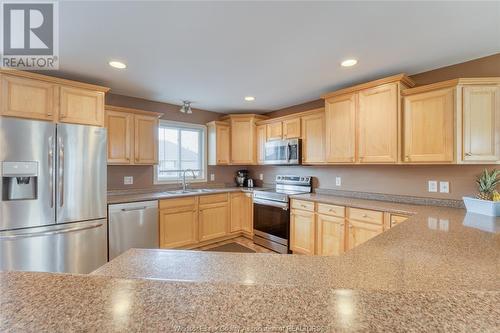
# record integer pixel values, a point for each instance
(348, 62)
(117, 64)
(249, 98)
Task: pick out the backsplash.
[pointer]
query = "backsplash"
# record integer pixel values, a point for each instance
(410, 180)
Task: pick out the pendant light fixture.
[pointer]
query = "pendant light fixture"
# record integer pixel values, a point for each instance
(186, 107)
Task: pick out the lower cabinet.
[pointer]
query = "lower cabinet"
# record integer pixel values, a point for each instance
(360, 232)
(178, 222)
(214, 221)
(302, 227)
(241, 213)
(330, 235)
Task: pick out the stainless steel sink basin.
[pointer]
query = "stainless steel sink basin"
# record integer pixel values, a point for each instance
(201, 190)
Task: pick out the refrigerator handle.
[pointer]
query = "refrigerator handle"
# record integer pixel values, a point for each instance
(51, 170)
(61, 171)
(50, 233)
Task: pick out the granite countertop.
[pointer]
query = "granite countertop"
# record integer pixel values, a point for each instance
(437, 271)
(117, 197)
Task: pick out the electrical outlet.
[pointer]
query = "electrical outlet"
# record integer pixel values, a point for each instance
(444, 187)
(261, 176)
(338, 181)
(433, 186)
(128, 180)
(212, 177)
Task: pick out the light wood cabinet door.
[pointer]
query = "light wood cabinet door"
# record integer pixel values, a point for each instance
(243, 141)
(302, 232)
(378, 124)
(214, 221)
(330, 235)
(291, 128)
(313, 138)
(274, 131)
(429, 127)
(27, 98)
(360, 232)
(340, 113)
(145, 140)
(223, 137)
(395, 219)
(178, 227)
(241, 213)
(119, 125)
(261, 143)
(481, 123)
(81, 106)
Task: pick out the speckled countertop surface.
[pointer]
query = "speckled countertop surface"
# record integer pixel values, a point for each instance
(117, 197)
(438, 271)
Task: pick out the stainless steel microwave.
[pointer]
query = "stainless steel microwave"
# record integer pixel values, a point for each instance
(282, 152)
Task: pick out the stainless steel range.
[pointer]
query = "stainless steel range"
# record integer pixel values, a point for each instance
(271, 213)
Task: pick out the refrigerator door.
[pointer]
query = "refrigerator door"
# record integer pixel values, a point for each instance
(28, 141)
(81, 173)
(71, 248)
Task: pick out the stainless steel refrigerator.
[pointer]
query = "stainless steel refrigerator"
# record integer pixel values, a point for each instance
(53, 196)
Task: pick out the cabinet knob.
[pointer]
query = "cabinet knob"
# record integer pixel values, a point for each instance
(407, 158)
(468, 154)
(365, 215)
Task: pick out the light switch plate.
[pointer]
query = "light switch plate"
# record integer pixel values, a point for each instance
(261, 176)
(128, 180)
(444, 187)
(433, 186)
(338, 181)
(212, 177)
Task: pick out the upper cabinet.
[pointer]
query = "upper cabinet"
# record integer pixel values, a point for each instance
(243, 138)
(291, 128)
(274, 131)
(35, 96)
(363, 121)
(313, 137)
(261, 143)
(218, 143)
(428, 129)
(132, 136)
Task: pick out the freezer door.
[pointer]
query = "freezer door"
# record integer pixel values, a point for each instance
(71, 248)
(81, 173)
(24, 140)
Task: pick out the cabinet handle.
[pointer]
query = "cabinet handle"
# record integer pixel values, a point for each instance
(365, 215)
(468, 154)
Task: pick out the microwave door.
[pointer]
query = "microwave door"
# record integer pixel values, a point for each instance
(273, 153)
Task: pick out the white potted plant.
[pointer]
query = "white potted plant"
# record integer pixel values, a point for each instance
(487, 201)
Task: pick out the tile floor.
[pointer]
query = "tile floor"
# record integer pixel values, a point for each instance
(240, 240)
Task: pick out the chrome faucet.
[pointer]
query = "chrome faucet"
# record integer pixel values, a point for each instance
(184, 185)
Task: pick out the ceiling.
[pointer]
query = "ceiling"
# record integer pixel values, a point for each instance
(283, 53)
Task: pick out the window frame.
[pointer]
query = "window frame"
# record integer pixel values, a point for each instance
(204, 159)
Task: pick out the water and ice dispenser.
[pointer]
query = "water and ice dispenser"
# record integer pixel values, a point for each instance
(19, 180)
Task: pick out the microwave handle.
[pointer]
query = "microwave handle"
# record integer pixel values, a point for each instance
(287, 152)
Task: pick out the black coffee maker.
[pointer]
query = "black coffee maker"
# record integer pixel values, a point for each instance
(241, 178)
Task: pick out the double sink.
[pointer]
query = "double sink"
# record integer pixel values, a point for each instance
(201, 190)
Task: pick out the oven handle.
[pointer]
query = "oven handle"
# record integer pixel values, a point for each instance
(282, 205)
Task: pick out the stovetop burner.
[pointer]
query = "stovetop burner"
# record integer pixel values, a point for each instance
(285, 186)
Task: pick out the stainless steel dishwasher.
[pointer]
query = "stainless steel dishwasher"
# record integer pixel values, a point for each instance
(133, 225)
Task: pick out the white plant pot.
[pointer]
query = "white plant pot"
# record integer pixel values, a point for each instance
(484, 207)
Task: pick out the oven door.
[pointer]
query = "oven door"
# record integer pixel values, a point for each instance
(271, 223)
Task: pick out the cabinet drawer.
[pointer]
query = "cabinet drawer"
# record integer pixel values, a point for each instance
(303, 205)
(213, 198)
(395, 219)
(178, 202)
(365, 215)
(333, 210)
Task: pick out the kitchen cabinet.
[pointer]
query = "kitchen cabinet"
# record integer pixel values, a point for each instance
(178, 222)
(340, 114)
(41, 97)
(481, 123)
(243, 138)
(119, 125)
(360, 232)
(330, 235)
(274, 131)
(261, 143)
(241, 213)
(378, 124)
(81, 106)
(213, 216)
(218, 143)
(291, 128)
(313, 138)
(302, 232)
(395, 219)
(428, 129)
(132, 136)
(28, 98)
